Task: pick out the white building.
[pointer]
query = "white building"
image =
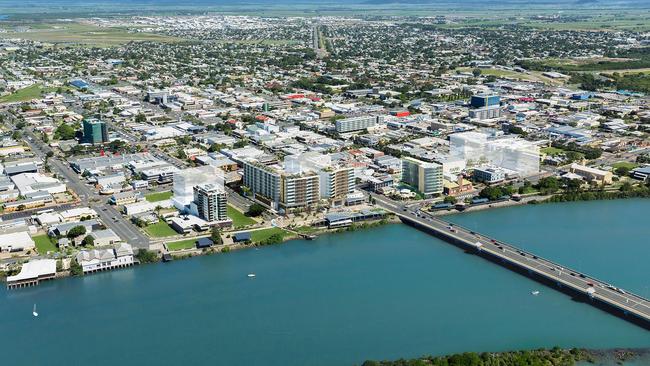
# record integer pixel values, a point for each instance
(185, 181)
(15, 242)
(507, 152)
(105, 259)
(27, 183)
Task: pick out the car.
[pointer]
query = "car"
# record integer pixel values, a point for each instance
(535, 257)
(523, 254)
(473, 233)
(573, 274)
(581, 275)
(590, 284)
(493, 241)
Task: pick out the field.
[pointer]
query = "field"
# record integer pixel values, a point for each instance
(158, 196)
(261, 235)
(551, 151)
(82, 34)
(26, 94)
(239, 219)
(181, 244)
(44, 244)
(160, 230)
(624, 164)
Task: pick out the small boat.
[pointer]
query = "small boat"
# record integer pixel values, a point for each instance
(251, 275)
(34, 311)
(535, 293)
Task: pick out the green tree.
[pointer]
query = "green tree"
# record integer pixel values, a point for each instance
(75, 268)
(76, 231)
(450, 199)
(622, 171)
(215, 236)
(88, 241)
(64, 132)
(255, 210)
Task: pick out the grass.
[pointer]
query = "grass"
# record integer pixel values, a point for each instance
(553, 151)
(158, 196)
(26, 94)
(44, 244)
(238, 218)
(261, 235)
(160, 230)
(182, 244)
(85, 34)
(306, 230)
(624, 164)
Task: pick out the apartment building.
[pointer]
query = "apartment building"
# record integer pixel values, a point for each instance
(425, 177)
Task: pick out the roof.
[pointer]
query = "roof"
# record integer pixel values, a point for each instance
(34, 269)
(204, 242)
(18, 240)
(242, 236)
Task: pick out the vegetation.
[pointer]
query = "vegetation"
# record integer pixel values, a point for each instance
(76, 231)
(160, 230)
(88, 241)
(75, 268)
(493, 193)
(540, 357)
(627, 190)
(182, 244)
(158, 196)
(26, 94)
(44, 243)
(215, 236)
(239, 219)
(255, 210)
(261, 236)
(64, 132)
(147, 256)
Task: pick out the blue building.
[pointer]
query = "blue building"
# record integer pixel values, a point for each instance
(79, 84)
(488, 175)
(485, 100)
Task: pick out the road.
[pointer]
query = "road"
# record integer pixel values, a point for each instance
(597, 289)
(107, 213)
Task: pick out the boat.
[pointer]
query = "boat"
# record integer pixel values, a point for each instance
(34, 311)
(251, 275)
(535, 293)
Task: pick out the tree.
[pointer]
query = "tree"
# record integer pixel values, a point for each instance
(450, 199)
(140, 118)
(76, 231)
(64, 132)
(477, 72)
(215, 236)
(622, 171)
(147, 256)
(75, 268)
(88, 241)
(49, 154)
(491, 193)
(255, 210)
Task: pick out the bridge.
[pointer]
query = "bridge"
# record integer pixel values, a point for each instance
(589, 289)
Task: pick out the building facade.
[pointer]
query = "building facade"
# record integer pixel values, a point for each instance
(95, 131)
(357, 123)
(210, 201)
(425, 177)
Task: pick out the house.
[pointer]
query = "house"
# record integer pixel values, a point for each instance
(105, 237)
(105, 259)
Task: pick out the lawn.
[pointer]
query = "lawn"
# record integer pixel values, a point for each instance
(238, 218)
(551, 151)
(44, 244)
(26, 94)
(181, 244)
(261, 235)
(160, 230)
(159, 196)
(624, 164)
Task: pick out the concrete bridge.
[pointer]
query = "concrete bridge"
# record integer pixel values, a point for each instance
(588, 289)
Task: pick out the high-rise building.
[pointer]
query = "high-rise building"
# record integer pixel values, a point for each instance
(484, 100)
(185, 181)
(95, 131)
(211, 202)
(425, 177)
(263, 181)
(357, 123)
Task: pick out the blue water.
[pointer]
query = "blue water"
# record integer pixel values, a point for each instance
(383, 293)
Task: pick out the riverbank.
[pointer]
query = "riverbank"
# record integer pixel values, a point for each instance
(554, 356)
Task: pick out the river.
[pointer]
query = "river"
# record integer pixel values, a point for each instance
(381, 293)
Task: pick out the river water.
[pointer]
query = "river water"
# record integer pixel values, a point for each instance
(381, 293)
